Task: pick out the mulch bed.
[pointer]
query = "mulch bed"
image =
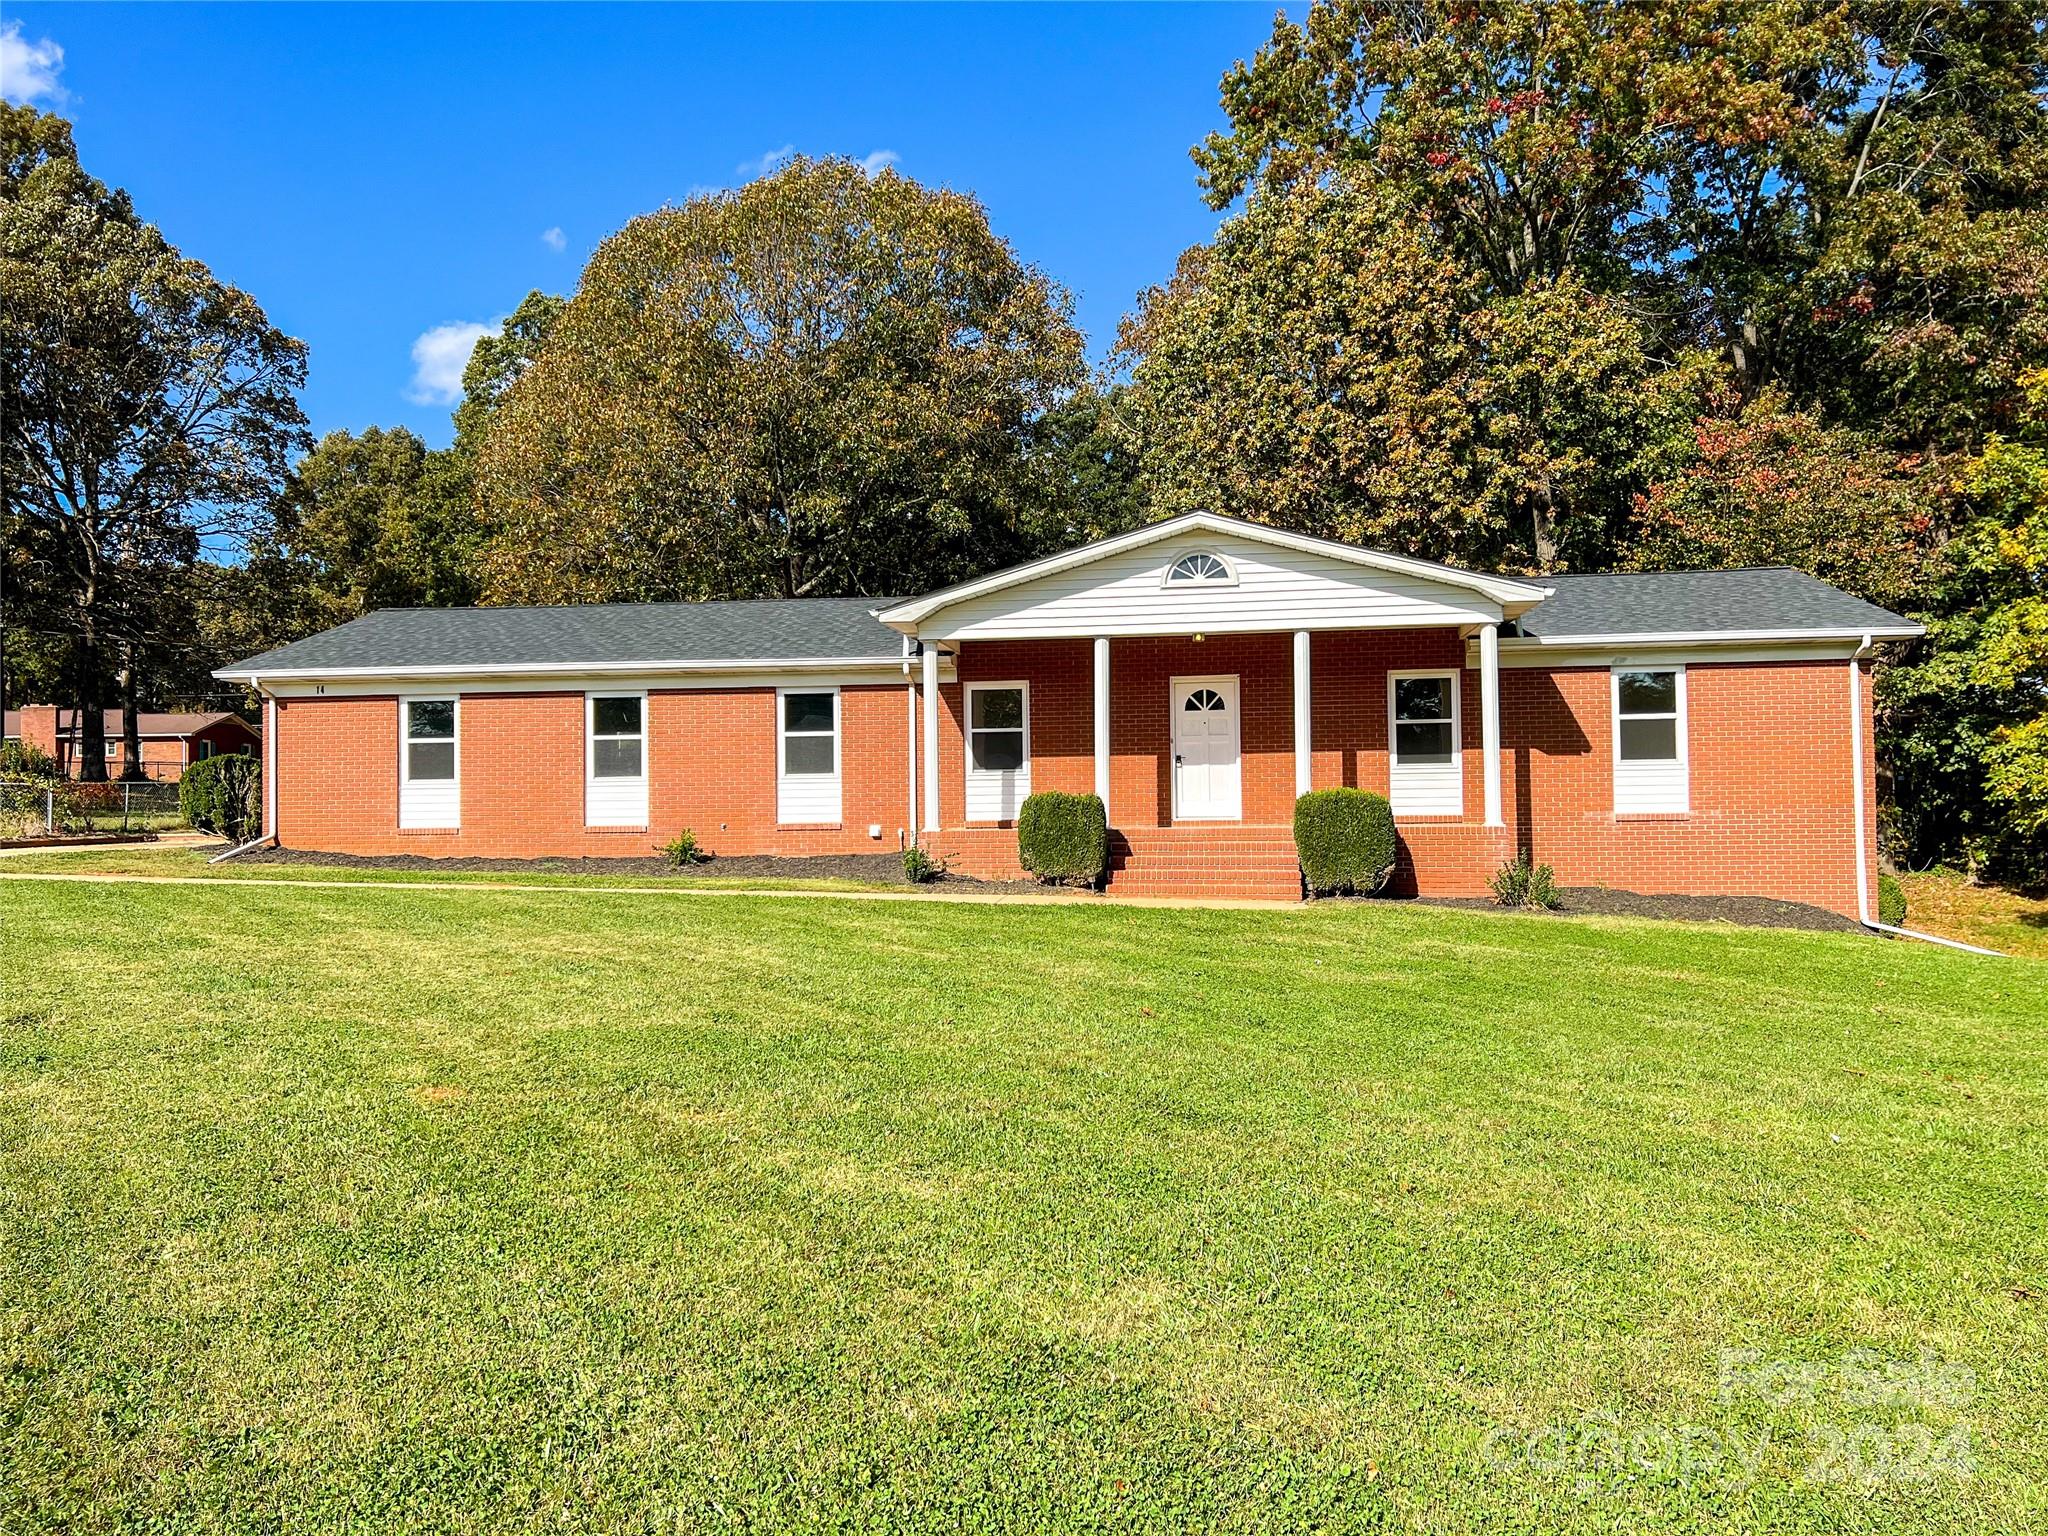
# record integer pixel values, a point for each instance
(869, 868)
(887, 869)
(1749, 911)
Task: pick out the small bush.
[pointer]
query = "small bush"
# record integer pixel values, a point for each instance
(921, 867)
(1063, 838)
(26, 760)
(1521, 884)
(224, 795)
(1891, 901)
(682, 850)
(1345, 841)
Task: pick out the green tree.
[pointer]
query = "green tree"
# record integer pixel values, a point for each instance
(821, 383)
(497, 363)
(1329, 365)
(1769, 485)
(1966, 716)
(147, 407)
(383, 522)
(1094, 482)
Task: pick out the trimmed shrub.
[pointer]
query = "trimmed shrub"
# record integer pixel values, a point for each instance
(1063, 838)
(1891, 901)
(1345, 841)
(1522, 884)
(224, 795)
(919, 867)
(682, 849)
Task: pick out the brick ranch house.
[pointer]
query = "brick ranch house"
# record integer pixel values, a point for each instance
(1692, 732)
(170, 742)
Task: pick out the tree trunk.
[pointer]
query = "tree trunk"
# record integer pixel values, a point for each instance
(90, 761)
(1543, 525)
(131, 726)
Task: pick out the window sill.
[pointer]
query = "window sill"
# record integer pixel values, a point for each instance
(639, 831)
(428, 831)
(1653, 815)
(810, 826)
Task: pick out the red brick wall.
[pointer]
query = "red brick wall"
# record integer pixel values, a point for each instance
(1770, 768)
(1772, 809)
(711, 768)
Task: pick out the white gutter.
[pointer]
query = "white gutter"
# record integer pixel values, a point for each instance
(257, 679)
(1703, 637)
(1863, 913)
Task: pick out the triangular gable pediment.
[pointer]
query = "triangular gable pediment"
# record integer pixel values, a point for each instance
(1270, 580)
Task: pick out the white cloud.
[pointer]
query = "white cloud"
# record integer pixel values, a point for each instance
(880, 160)
(761, 165)
(28, 71)
(554, 239)
(439, 357)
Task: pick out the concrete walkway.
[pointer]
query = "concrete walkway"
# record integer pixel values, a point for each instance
(168, 840)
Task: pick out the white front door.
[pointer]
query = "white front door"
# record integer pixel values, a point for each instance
(1205, 751)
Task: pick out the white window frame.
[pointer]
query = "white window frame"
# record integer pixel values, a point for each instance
(435, 804)
(794, 792)
(1426, 789)
(1227, 579)
(1650, 787)
(1005, 789)
(614, 801)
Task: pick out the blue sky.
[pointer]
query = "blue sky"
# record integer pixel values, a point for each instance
(373, 173)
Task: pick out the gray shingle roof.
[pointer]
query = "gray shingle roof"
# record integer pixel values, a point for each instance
(596, 634)
(1699, 602)
(845, 629)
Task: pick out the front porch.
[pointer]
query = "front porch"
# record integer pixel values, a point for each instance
(1269, 715)
(1199, 675)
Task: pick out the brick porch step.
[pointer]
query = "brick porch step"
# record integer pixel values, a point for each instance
(1230, 861)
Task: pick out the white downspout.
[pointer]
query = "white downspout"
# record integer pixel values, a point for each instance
(1863, 912)
(910, 746)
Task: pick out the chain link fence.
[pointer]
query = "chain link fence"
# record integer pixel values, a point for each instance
(43, 809)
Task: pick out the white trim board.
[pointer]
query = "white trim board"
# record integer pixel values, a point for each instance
(1655, 651)
(778, 666)
(890, 675)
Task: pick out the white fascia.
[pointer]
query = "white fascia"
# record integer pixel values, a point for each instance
(880, 666)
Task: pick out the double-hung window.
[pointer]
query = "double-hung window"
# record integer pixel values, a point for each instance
(1651, 771)
(807, 757)
(429, 763)
(998, 750)
(615, 764)
(1425, 771)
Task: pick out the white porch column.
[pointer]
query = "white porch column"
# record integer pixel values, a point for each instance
(1489, 718)
(910, 756)
(1102, 721)
(1302, 775)
(932, 705)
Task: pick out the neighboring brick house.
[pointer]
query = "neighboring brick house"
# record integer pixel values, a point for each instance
(170, 742)
(1703, 732)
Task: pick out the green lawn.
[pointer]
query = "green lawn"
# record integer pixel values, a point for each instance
(470, 1210)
